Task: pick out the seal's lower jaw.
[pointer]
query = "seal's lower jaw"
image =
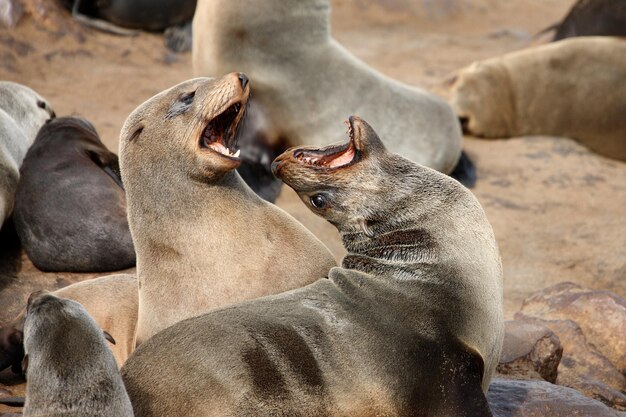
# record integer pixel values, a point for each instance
(220, 134)
(334, 156)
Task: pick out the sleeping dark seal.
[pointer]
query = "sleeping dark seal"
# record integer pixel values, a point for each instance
(411, 324)
(69, 368)
(152, 15)
(70, 208)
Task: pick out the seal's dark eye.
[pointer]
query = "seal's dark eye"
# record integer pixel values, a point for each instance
(318, 201)
(187, 99)
(41, 104)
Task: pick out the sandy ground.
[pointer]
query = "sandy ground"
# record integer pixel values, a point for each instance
(558, 211)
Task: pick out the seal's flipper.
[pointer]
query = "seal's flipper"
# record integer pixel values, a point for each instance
(463, 385)
(109, 163)
(465, 171)
(13, 401)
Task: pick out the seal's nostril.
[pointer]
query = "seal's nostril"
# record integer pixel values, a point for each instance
(244, 80)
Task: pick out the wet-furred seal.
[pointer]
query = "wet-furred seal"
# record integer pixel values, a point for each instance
(411, 324)
(70, 207)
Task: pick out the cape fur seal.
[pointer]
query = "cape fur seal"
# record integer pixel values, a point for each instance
(574, 88)
(111, 301)
(22, 113)
(69, 367)
(411, 324)
(305, 81)
(203, 238)
(70, 207)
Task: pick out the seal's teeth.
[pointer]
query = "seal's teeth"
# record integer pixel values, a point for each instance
(236, 154)
(227, 152)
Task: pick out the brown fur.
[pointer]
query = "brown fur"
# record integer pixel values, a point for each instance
(572, 88)
(203, 238)
(410, 325)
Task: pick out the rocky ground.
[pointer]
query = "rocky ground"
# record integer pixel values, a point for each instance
(557, 210)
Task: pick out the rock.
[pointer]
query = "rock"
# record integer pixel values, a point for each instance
(582, 367)
(512, 398)
(600, 314)
(530, 351)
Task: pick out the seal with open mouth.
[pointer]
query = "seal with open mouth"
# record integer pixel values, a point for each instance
(203, 238)
(573, 88)
(410, 324)
(69, 367)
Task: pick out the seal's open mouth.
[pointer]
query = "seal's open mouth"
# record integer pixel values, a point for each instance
(220, 134)
(332, 156)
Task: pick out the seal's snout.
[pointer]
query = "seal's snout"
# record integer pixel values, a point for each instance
(243, 79)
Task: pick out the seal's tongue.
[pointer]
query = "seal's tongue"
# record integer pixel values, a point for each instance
(220, 133)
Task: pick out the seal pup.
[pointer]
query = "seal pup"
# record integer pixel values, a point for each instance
(203, 238)
(305, 81)
(83, 383)
(411, 324)
(571, 88)
(110, 300)
(70, 207)
(22, 113)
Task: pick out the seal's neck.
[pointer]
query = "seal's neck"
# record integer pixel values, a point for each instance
(399, 253)
(179, 228)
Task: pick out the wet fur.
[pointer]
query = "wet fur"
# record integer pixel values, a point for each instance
(571, 88)
(83, 383)
(410, 325)
(203, 238)
(307, 83)
(22, 113)
(70, 210)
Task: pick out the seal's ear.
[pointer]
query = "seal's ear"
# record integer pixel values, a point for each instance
(136, 133)
(108, 336)
(365, 227)
(25, 364)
